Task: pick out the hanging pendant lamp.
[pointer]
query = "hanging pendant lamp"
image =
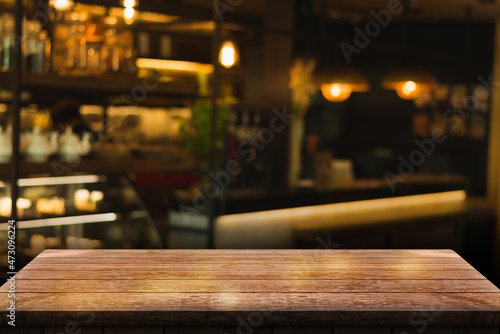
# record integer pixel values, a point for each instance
(408, 83)
(337, 84)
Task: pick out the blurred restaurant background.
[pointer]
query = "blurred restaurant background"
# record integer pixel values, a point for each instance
(251, 124)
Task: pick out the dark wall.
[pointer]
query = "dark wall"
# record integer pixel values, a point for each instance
(375, 127)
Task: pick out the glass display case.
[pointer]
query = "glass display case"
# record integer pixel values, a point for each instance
(76, 212)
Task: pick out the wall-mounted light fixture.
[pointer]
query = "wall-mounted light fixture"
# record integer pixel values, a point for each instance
(337, 84)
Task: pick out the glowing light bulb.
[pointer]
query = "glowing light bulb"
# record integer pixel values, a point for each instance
(408, 90)
(96, 196)
(335, 90)
(129, 3)
(61, 5)
(228, 55)
(409, 87)
(129, 13)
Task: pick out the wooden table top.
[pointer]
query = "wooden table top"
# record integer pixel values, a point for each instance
(218, 286)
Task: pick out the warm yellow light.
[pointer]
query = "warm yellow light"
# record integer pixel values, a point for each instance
(335, 92)
(6, 205)
(409, 83)
(408, 90)
(409, 87)
(228, 54)
(129, 3)
(96, 196)
(375, 208)
(279, 234)
(76, 220)
(61, 180)
(111, 20)
(61, 5)
(174, 65)
(129, 13)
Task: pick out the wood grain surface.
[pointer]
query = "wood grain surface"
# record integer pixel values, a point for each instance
(274, 290)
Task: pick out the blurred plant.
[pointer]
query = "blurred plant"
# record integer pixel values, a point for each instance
(302, 85)
(196, 132)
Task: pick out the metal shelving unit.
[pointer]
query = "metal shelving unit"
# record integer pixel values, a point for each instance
(21, 81)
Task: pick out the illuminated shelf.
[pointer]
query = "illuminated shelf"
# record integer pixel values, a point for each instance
(87, 218)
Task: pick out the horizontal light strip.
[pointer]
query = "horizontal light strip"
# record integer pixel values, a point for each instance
(398, 202)
(50, 181)
(174, 65)
(352, 208)
(99, 218)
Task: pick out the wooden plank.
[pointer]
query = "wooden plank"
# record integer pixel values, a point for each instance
(213, 286)
(73, 328)
(193, 330)
(21, 329)
(248, 274)
(362, 330)
(288, 253)
(250, 267)
(207, 260)
(133, 329)
(303, 329)
(299, 288)
(148, 302)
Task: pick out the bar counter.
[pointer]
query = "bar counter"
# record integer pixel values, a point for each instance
(252, 291)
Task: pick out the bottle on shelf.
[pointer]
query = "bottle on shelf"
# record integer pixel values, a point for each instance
(36, 48)
(5, 146)
(7, 42)
(112, 48)
(479, 117)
